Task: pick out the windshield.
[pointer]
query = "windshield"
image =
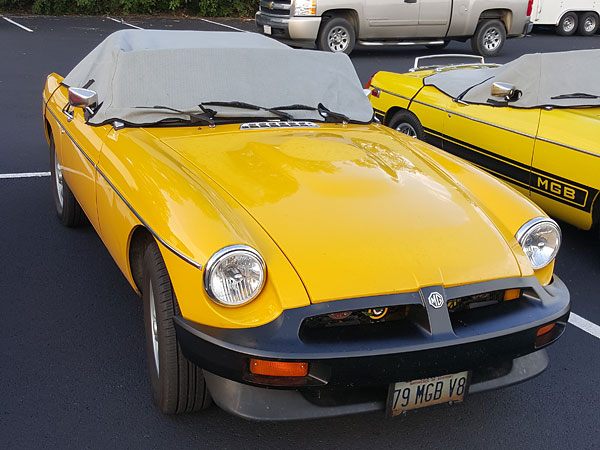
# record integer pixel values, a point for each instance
(236, 83)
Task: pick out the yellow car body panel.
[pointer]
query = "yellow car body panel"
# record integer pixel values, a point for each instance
(552, 156)
(320, 219)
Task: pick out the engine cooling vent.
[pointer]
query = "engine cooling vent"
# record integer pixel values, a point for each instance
(276, 124)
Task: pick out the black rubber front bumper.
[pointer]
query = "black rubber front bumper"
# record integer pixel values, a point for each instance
(491, 342)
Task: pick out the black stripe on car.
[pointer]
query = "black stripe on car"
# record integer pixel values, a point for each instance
(547, 184)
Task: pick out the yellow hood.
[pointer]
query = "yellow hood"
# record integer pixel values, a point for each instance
(358, 213)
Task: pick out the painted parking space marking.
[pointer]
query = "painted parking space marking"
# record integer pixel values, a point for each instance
(223, 25)
(122, 22)
(585, 325)
(24, 175)
(18, 24)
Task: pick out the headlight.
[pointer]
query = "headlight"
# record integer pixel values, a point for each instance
(234, 275)
(540, 239)
(305, 8)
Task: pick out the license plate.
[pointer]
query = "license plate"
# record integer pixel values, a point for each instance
(404, 396)
(267, 29)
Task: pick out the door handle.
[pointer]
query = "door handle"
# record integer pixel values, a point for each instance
(410, 1)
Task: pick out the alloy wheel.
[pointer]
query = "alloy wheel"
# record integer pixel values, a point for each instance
(338, 39)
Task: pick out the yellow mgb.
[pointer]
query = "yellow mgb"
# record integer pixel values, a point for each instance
(279, 238)
(534, 123)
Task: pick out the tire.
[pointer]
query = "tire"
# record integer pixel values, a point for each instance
(438, 46)
(588, 24)
(407, 123)
(489, 38)
(568, 24)
(336, 35)
(177, 384)
(67, 208)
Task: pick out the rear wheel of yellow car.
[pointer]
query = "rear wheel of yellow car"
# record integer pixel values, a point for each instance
(407, 123)
(67, 208)
(177, 384)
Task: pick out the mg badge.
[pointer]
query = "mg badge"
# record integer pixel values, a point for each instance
(435, 299)
(271, 5)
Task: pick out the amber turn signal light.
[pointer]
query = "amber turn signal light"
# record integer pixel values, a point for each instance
(545, 329)
(278, 368)
(512, 294)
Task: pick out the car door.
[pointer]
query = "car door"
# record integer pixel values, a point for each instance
(80, 146)
(388, 19)
(434, 18)
(566, 164)
(497, 139)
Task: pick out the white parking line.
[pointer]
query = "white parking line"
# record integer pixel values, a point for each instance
(122, 22)
(17, 24)
(223, 25)
(24, 175)
(585, 325)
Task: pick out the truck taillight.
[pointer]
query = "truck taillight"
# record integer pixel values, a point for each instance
(529, 7)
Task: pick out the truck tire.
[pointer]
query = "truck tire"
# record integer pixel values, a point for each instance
(588, 23)
(567, 24)
(489, 38)
(336, 35)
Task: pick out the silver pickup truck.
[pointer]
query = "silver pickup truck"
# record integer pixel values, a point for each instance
(337, 25)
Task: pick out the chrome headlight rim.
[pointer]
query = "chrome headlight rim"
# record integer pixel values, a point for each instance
(529, 227)
(217, 257)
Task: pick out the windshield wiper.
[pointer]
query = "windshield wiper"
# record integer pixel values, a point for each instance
(331, 116)
(244, 105)
(206, 116)
(575, 95)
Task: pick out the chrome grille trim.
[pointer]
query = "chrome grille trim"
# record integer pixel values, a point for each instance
(276, 8)
(265, 125)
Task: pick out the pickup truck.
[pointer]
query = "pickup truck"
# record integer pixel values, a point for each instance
(337, 25)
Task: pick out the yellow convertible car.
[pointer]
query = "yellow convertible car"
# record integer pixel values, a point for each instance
(534, 122)
(294, 258)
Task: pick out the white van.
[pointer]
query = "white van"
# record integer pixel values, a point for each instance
(568, 16)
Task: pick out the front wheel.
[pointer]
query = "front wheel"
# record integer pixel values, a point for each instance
(489, 38)
(336, 35)
(588, 24)
(407, 123)
(177, 384)
(67, 208)
(568, 24)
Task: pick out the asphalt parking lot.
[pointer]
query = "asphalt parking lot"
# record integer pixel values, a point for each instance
(72, 367)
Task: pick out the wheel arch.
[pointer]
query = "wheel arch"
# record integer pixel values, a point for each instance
(139, 240)
(503, 15)
(570, 11)
(392, 111)
(47, 130)
(351, 15)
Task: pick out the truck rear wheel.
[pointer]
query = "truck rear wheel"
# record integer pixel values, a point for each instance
(567, 25)
(489, 38)
(336, 35)
(588, 24)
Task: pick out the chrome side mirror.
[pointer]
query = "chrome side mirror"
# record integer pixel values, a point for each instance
(82, 98)
(505, 91)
